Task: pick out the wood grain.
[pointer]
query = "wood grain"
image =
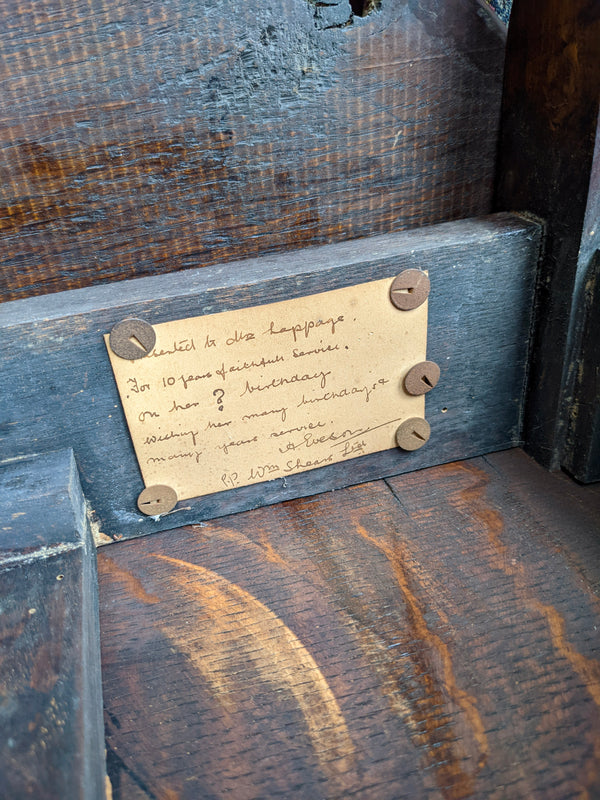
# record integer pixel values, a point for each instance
(142, 139)
(546, 166)
(62, 391)
(431, 638)
(50, 686)
(581, 456)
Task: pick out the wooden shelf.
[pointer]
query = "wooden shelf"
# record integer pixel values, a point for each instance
(433, 635)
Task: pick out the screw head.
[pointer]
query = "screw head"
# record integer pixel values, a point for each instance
(413, 433)
(157, 500)
(132, 339)
(422, 378)
(410, 289)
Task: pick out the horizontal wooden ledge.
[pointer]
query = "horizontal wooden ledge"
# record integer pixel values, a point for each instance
(246, 273)
(62, 391)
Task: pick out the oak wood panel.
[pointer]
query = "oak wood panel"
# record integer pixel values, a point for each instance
(62, 390)
(52, 745)
(581, 456)
(431, 638)
(546, 166)
(142, 138)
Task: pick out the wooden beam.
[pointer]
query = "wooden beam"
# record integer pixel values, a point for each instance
(581, 455)
(152, 141)
(549, 129)
(63, 392)
(52, 743)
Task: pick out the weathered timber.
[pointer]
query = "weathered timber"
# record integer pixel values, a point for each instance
(581, 405)
(62, 391)
(52, 743)
(549, 130)
(139, 139)
(435, 638)
(581, 457)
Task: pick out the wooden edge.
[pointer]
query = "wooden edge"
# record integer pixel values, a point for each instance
(491, 14)
(547, 166)
(235, 274)
(581, 456)
(50, 674)
(63, 391)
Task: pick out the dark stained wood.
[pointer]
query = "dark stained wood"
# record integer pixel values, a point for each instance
(582, 448)
(52, 745)
(549, 129)
(62, 390)
(139, 139)
(434, 637)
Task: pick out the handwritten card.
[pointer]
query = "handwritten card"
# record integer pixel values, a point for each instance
(257, 394)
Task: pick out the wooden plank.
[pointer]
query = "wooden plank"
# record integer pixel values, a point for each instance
(63, 392)
(549, 129)
(138, 140)
(434, 641)
(52, 742)
(581, 455)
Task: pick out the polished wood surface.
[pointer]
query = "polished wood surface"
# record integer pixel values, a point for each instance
(143, 138)
(430, 636)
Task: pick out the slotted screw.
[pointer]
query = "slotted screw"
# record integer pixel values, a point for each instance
(410, 289)
(132, 339)
(413, 433)
(422, 378)
(156, 500)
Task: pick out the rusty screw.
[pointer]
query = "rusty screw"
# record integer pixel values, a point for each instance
(422, 378)
(156, 500)
(410, 289)
(413, 433)
(132, 339)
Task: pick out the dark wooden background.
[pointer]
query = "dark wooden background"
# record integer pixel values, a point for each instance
(139, 138)
(430, 636)
(549, 164)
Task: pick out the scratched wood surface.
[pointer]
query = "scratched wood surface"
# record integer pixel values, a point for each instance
(432, 636)
(142, 138)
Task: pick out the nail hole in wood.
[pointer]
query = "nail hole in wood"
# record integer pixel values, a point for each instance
(362, 8)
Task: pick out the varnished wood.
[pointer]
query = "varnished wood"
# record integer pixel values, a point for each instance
(139, 139)
(430, 637)
(62, 390)
(52, 745)
(546, 166)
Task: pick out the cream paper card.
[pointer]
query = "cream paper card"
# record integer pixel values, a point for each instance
(257, 394)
